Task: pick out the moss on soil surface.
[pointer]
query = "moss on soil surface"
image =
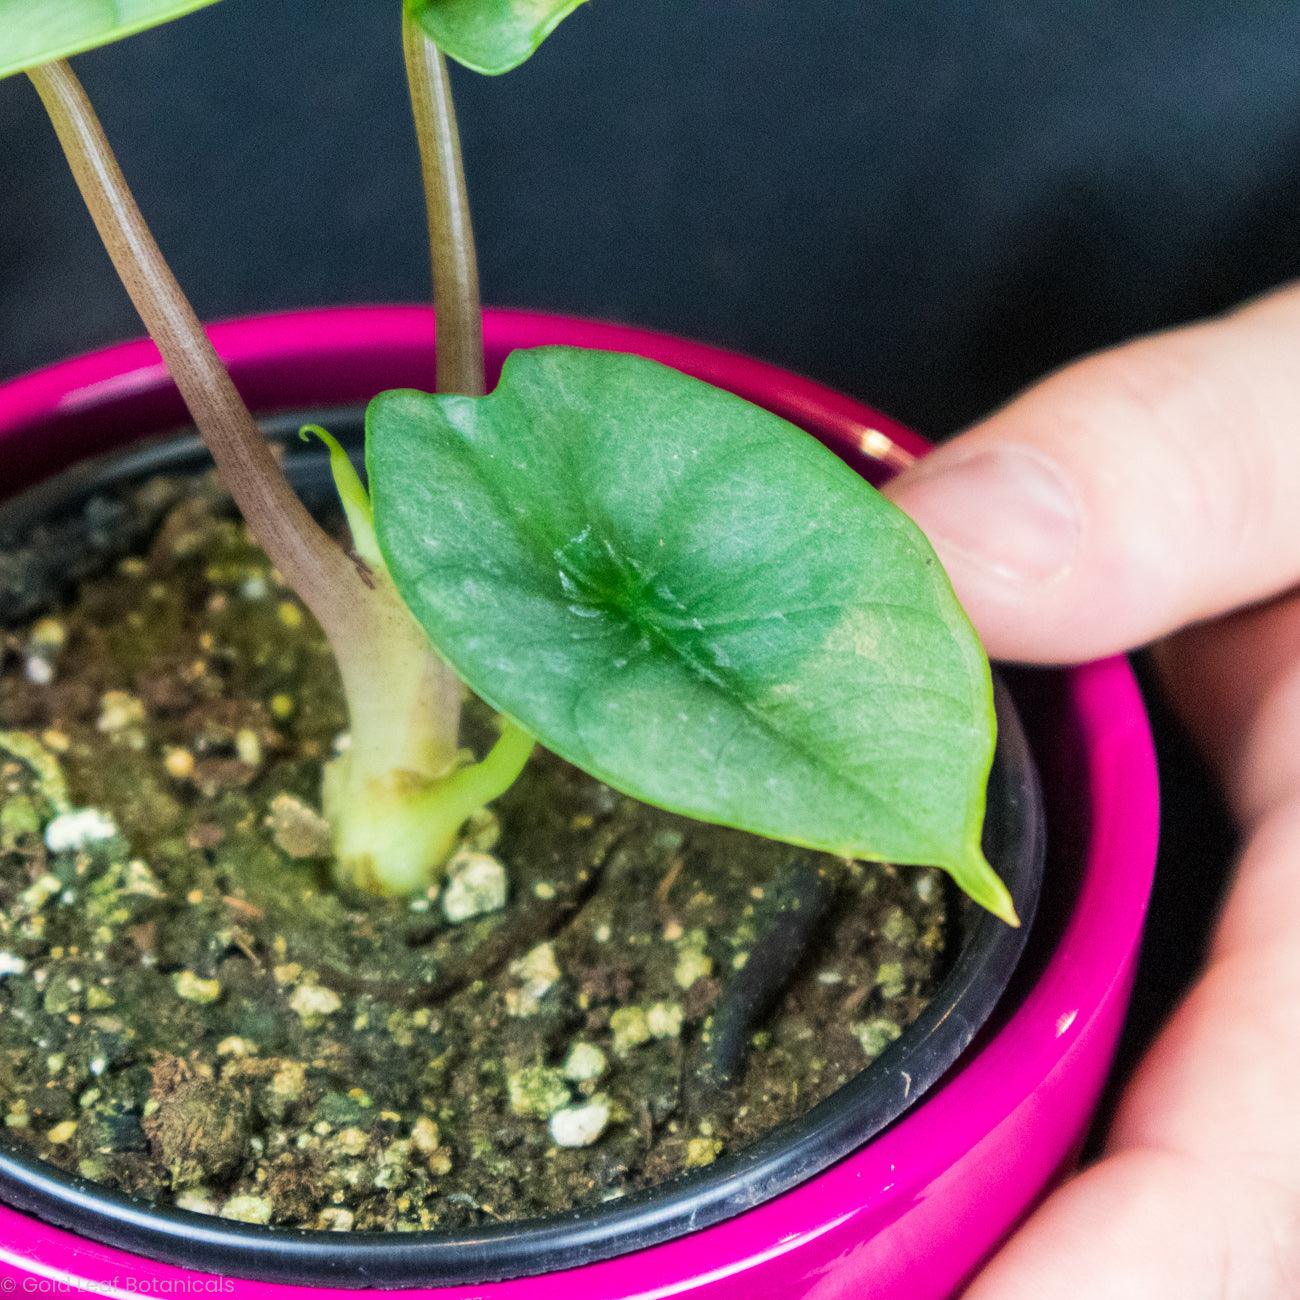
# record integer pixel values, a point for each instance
(189, 1014)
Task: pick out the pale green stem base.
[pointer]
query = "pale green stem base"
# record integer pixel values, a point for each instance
(397, 798)
(394, 829)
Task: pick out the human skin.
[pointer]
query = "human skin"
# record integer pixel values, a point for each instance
(1151, 494)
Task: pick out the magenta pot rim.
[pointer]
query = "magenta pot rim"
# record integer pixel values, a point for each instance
(344, 354)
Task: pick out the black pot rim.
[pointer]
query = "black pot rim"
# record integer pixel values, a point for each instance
(792, 1153)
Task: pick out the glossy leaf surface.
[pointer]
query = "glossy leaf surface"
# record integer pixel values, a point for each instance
(694, 601)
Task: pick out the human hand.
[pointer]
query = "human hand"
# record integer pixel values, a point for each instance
(1152, 494)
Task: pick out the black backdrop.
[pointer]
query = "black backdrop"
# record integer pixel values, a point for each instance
(924, 204)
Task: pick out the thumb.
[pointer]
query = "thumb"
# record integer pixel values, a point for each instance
(1135, 492)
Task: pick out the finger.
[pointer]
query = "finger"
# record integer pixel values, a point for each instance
(1133, 493)
(1236, 684)
(1199, 1193)
(1152, 1225)
(1218, 1083)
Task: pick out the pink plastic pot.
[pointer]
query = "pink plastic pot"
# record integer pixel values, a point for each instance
(914, 1212)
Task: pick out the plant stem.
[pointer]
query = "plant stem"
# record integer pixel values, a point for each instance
(451, 229)
(403, 702)
(313, 565)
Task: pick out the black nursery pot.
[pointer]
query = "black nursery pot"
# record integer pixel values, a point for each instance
(986, 952)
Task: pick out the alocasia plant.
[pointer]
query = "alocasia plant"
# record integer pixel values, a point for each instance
(666, 585)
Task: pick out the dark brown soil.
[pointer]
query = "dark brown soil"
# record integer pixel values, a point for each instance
(190, 1014)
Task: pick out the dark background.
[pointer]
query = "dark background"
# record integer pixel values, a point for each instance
(925, 204)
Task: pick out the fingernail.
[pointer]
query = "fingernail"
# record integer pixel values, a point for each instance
(1007, 510)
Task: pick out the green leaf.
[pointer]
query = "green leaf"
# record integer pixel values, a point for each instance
(38, 31)
(694, 601)
(490, 36)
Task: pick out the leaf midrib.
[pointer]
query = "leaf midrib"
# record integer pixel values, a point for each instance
(472, 456)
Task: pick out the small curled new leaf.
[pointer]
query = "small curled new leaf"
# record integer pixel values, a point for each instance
(352, 494)
(33, 32)
(490, 36)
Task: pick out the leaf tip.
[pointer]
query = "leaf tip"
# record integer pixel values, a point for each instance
(1008, 914)
(975, 877)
